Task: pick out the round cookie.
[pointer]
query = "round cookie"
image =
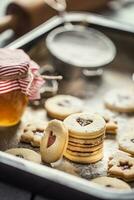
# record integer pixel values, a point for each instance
(84, 149)
(83, 142)
(26, 154)
(110, 182)
(121, 165)
(61, 106)
(54, 142)
(84, 154)
(82, 145)
(110, 119)
(85, 125)
(126, 143)
(120, 101)
(84, 160)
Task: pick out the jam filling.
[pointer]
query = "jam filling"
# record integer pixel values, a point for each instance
(25, 130)
(51, 139)
(20, 156)
(84, 122)
(64, 103)
(132, 140)
(125, 165)
(110, 186)
(39, 132)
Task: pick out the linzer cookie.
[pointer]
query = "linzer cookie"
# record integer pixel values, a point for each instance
(61, 106)
(54, 142)
(26, 154)
(126, 143)
(84, 154)
(84, 148)
(121, 165)
(84, 160)
(120, 101)
(109, 183)
(86, 142)
(86, 135)
(85, 125)
(33, 133)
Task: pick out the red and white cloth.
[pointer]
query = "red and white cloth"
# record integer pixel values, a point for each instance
(15, 63)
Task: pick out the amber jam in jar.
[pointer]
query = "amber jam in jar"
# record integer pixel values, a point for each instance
(12, 106)
(19, 82)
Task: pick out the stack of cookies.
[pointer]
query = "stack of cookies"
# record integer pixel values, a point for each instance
(86, 135)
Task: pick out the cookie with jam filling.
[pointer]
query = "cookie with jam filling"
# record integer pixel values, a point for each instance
(61, 106)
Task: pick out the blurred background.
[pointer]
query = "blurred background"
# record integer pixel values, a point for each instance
(19, 16)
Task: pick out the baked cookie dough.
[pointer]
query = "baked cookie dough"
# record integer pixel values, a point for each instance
(84, 154)
(26, 154)
(86, 142)
(33, 133)
(121, 165)
(84, 149)
(110, 183)
(126, 143)
(54, 142)
(85, 159)
(111, 124)
(61, 106)
(85, 125)
(120, 101)
(111, 127)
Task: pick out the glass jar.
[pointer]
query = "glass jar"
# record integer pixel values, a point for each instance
(12, 106)
(19, 82)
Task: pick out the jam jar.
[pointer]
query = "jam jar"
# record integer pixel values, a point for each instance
(19, 82)
(12, 105)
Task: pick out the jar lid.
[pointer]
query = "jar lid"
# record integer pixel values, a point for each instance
(19, 72)
(13, 57)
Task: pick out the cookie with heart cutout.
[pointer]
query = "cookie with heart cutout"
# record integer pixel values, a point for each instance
(85, 125)
(54, 142)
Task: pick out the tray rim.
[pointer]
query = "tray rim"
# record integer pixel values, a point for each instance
(63, 178)
(74, 16)
(28, 167)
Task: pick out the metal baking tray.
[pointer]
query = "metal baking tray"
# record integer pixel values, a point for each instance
(55, 181)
